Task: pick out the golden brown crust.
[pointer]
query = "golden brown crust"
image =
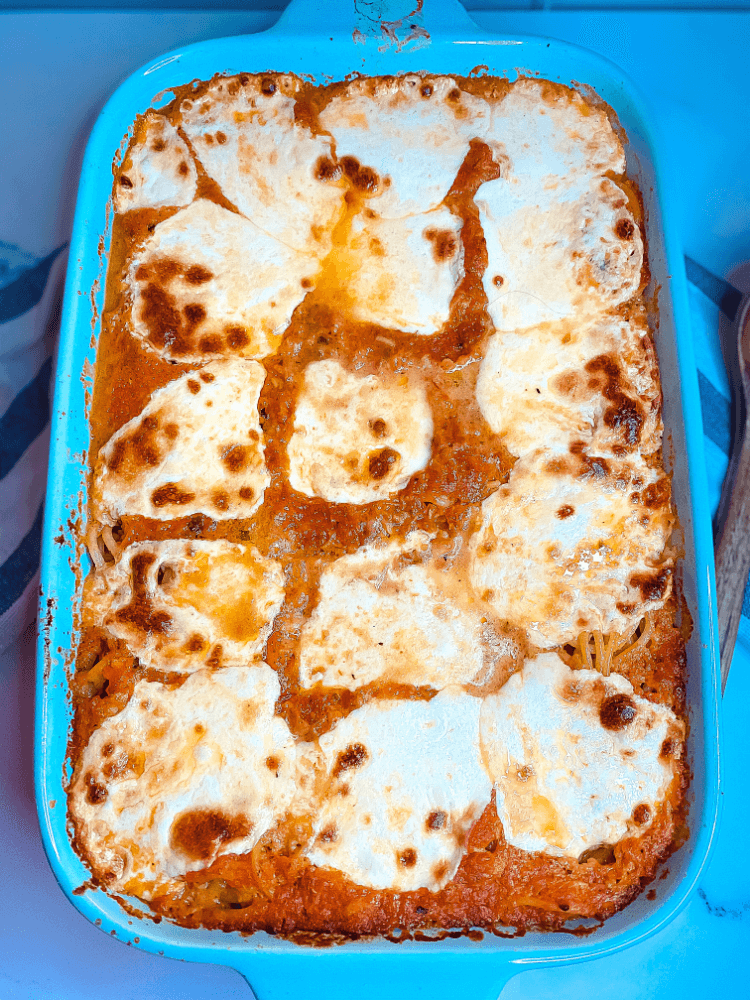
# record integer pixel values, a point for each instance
(274, 887)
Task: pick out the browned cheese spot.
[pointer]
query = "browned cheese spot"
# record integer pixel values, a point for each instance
(210, 344)
(354, 756)
(194, 314)
(436, 820)
(641, 814)
(125, 181)
(95, 792)
(363, 178)
(194, 386)
(272, 763)
(565, 511)
(426, 90)
(171, 431)
(378, 427)
(380, 462)
(625, 229)
(246, 493)
(142, 444)
(267, 86)
(237, 337)
(195, 644)
(444, 243)
(235, 457)
(183, 169)
(617, 711)
(221, 138)
(625, 414)
(657, 494)
(220, 499)
(197, 275)
(498, 281)
(207, 377)
(159, 145)
(171, 493)
(165, 575)
(652, 587)
(408, 857)
(198, 834)
(140, 613)
(329, 835)
(327, 170)
(214, 657)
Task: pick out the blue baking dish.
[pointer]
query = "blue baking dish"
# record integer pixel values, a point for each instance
(329, 41)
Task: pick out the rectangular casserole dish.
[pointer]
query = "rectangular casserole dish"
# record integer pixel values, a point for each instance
(321, 43)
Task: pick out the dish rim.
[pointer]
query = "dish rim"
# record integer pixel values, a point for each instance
(448, 26)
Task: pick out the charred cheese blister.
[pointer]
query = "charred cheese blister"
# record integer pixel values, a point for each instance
(196, 447)
(593, 382)
(557, 254)
(403, 273)
(413, 133)
(387, 614)
(357, 439)
(158, 170)
(209, 283)
(572, 544)
(181, 776)
(182, 605)
(270, 166)
(576, 757)
(404, 784)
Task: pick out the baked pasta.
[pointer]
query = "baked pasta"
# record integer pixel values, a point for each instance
(380, 635)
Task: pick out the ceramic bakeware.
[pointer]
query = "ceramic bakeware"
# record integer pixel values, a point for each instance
(329, 41)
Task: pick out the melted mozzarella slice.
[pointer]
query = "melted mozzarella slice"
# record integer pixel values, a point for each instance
(595, 382)
(197, 446)
(573, 544)
(574, 756)
(414, 133)
(209, 283)
(557, 254)
(357, 439)
(550, 135)
(271, 167)
(158, 169)
(183, 775)
(388, 614)
(404, 786)
(403, 273)
(183, 605)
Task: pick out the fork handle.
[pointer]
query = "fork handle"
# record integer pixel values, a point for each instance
(733, 525)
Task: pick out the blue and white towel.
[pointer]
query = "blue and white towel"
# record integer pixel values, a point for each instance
(30, 293)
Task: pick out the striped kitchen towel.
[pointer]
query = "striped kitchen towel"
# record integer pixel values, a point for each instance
(30, 294)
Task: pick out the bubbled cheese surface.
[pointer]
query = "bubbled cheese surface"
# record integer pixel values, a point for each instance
(196, 447)
(403, 273)
(182, 605)
(575, 757)
(157, 170)
(404, 786)
(357, 439)
(265, 162)
(414, 135)
(209, 283)
(390, 614)
(592, 382)
(572, 544)
(183, 775)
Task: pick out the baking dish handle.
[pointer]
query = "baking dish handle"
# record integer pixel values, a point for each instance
(335, 974)
(399, 23)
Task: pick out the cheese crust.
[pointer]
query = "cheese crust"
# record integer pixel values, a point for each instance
(382, 627)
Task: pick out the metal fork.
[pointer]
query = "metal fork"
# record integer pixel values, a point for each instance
(732, 523)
